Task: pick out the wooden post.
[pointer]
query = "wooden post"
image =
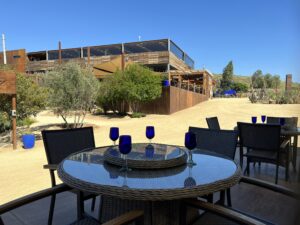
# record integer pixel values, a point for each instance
(59, 52)
(14, 122)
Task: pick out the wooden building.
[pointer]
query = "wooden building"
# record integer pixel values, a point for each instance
(160, 55)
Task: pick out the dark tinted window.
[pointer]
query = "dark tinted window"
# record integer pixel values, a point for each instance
(177, 51)
(189, 61)
(148, 46)
(52, 55)
(70, 53)
(104, 50)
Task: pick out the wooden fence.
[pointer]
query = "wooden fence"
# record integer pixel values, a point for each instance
(173, 99)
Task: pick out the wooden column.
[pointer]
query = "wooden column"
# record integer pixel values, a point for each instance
(14, 122)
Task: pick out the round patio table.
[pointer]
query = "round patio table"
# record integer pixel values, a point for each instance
(157, 191)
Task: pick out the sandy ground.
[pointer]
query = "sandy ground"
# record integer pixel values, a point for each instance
(21, 171)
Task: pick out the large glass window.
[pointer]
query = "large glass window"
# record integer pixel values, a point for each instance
(71, 53)
(53, 54)
(146, 46)
(176, 50)
(189, 61)
(104, 50)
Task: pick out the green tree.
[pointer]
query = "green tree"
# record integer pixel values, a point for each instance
(276, 82)
(257, 79)
(72, 91)
(240, 87)
(268, 79)
(133, 86)
(227, 77)
(31, 99)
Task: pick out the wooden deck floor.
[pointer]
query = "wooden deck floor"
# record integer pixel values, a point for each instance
(258, 202)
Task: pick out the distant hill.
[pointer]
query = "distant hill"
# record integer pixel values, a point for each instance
(247, 80)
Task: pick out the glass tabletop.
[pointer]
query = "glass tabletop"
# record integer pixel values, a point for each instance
(89, 167)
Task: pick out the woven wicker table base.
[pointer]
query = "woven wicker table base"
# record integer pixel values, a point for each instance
(156, 213)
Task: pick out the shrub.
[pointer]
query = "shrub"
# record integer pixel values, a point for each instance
(72, 91)
(31, 99)
(135, 85)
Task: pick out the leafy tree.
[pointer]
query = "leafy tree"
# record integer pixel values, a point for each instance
(240, 87)
(135, 85)
(227, 77)
(276, 81)
(257, 79)
(31, 98)
(72, 91)
(268, 79)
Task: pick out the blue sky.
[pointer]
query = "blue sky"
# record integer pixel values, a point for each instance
(255, 34)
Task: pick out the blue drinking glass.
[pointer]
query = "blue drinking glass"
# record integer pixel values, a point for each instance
(263, 118)
(114, 134)
(190, 143)
(254, 119)
(281, 121)
(125, 148)
(150, 133)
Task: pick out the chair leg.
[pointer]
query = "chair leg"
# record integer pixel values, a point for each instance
(287, 167)
(276, 176)
(241, 157)
(93, 204)
(228, 195)
(248, 167)
(1, 221)
(51, 210)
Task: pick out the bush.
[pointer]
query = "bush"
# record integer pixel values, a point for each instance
(137, 115)
(31, 99)
(72, 91)
(132, 87)
(240, 87)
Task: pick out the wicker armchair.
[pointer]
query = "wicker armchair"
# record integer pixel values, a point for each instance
(222, 142)
(58, 145)
(217, 214)
(213, 123)
(264, 144)
(132, 216)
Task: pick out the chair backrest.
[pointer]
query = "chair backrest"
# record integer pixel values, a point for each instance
(259, 136)
(213, 123)
(219, 141)
(61, 143)
(288, 121)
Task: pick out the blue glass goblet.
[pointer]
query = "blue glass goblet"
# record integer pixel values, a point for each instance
(150, 133)
(114, 134)
(125, 148)
(190, 143)
(281, 121)
(263, 118)
(254, 119)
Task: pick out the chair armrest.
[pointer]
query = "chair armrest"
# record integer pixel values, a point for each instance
(222, 211)
(284, 143)
(33, 197)
(270, 186)
(126, 218)
(50, 166)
